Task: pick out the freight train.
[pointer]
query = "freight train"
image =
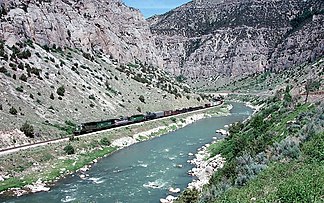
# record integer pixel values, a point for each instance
(84, 128)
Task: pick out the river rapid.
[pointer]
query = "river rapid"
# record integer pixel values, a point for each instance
(143, 172)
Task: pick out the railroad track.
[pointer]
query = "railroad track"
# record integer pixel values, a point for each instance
(57, 140)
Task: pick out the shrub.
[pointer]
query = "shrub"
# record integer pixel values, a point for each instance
(28, 130)
(69, 149)
(105, 141)
(0, 107)
(20, 89)
(142, 99)
(92, 97)
(23, 77)
(173, 119)
(13, 111)
(52, 96)
(188, 196)
(60, 91)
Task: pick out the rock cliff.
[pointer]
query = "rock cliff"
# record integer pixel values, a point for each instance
(90, 25)
(231, 37)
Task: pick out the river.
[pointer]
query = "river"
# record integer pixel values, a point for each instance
(142, 172)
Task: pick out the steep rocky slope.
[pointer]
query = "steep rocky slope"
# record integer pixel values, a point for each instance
(90, 25)
(65, 62)
(231, 38)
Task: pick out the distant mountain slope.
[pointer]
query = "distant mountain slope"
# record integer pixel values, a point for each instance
(230, 37)
(90, 25)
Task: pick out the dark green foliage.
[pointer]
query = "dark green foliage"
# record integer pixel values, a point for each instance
(21, 66)
(52, 96)
(23, 77)
(14, 76)
(3, 70)
(28, 130)
(173, 119)
(306, 15)
(24, 54)
(60, 91)
(92, 97)
(20, 89)
(181, 78)
(13, 111)
(142, 99)
(69, 149)
(188, 196)
(104, 141)
(314, 147)
(88, 56)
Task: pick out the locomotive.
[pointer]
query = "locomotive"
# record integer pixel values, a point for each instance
(84, 128)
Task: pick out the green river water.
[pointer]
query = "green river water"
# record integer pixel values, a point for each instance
(142, 172)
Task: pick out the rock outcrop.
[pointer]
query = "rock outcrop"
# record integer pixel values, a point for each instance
(90, 25)
(231, 37)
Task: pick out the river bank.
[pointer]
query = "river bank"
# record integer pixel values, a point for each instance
(205, 165)
(44, 174)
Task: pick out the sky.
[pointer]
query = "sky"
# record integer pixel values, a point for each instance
(152, 7)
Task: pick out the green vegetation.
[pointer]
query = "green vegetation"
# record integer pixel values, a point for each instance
(277, 156)
(69, 149)
(142, 99)
(60, 91)
(13, 111)
(27, 129)
(105, 141)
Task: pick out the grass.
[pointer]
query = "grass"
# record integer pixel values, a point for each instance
(282, 182)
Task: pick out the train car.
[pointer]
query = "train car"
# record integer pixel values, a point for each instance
(136, 118)
(208, 105)
(175, 112)
(94, 126)
(150, 116)
(121, 121)
(167, 113)
(159, 114)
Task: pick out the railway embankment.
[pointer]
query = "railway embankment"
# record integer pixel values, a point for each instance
(42, 166)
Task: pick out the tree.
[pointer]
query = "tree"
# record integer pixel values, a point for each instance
(52, 96)
(28, 130)
(60, 91)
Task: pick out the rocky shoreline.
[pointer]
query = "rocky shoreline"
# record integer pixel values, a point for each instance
(205, 165)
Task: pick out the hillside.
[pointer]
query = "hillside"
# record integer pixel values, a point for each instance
(206, 38)
(64, 70)
(276, 156)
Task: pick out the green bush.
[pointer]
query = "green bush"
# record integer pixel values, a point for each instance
(52, 96)
(23, 77)
(28, 130)
(142, 99)
(105, 141)
(60, 91)
(13, 111)
(314, 148)
(188, 196)
(69, 149)
(20, 89)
